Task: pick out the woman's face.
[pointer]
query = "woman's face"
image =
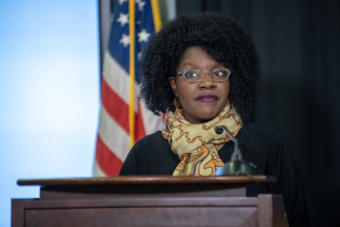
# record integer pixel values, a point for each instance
(201, 101)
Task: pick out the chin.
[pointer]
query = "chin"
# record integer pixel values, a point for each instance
(204, 121)
(209, 117)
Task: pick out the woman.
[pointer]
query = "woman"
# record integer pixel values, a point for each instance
(203, 72)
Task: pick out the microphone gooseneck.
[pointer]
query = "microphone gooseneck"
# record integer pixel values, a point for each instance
(236, 165)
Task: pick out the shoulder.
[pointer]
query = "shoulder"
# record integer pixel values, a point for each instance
(154, 140)
(257, 133)
(150, 147)
(150, 155)
(261, 145)
(259, 129)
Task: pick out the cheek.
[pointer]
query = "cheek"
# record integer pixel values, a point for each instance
(184, 97)
(225, 89)
(228, 91)
(185, 91)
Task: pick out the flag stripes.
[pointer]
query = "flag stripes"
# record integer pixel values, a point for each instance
(116, 77)
(123, 116)
(112, 135)
(106, 159)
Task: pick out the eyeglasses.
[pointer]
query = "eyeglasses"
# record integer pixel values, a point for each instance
(196, 75)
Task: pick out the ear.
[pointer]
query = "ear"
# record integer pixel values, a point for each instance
(172, 82)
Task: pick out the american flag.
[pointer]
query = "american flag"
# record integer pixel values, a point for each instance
(124, 118)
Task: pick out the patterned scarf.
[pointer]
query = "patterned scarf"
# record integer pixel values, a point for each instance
(197, 144)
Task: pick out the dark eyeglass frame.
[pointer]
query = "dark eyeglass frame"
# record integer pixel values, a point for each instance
(201, 75)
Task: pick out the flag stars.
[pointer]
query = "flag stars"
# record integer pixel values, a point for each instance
(143, 36)
(139, 56)
(140, 4)
(125, 40)
(122, 1)
(123, 19)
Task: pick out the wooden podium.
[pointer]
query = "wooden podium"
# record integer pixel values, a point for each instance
(150, 201)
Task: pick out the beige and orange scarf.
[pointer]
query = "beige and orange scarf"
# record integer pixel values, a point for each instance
(197, 144)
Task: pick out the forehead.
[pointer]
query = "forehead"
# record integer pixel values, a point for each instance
(197, 57)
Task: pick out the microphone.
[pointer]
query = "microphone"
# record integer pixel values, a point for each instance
(236, 165)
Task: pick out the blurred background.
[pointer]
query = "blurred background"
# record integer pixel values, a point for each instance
(299, 48)
(50, 73)
(49, 93)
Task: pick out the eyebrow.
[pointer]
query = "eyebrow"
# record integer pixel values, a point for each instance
(187, 64)
(219, 65)
(194, 67)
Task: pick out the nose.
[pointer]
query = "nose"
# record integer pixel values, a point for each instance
(206, 82)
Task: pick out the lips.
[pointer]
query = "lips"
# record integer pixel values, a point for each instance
(207, 98)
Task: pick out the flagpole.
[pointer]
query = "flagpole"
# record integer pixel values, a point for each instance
(132, 73)
(156, 15)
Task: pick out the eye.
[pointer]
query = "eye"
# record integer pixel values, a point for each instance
(220, 73)
(191, 74)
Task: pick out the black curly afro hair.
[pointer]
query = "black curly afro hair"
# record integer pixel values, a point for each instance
(223, 39)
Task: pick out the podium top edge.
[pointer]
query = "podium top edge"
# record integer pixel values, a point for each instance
(148, 179)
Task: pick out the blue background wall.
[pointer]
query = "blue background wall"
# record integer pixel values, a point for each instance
(49, 93)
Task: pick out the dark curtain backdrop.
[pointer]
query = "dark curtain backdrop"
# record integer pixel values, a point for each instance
(298, 44)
